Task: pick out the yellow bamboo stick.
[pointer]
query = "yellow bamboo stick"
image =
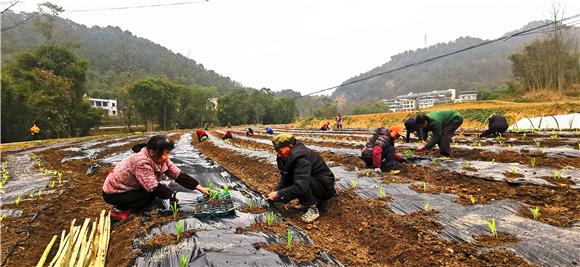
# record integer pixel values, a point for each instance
(107, 237)
(86, 247)
(63, 240)
(46, 251)
(94, 259)
(102, 238)
(68, 248)
(78, 243)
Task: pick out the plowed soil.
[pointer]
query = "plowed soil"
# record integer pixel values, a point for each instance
(362, 232)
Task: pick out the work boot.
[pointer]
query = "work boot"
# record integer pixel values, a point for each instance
(310, 215)
(120, 215)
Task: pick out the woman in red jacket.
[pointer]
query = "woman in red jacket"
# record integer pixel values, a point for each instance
(134, 182)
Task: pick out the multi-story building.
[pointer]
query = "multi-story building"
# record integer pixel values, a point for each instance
(107, 104)
(413, 101)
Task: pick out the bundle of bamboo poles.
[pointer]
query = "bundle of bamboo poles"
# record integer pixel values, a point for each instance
(81, 246)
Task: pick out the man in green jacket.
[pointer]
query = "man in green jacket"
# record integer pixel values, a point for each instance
(442, 124)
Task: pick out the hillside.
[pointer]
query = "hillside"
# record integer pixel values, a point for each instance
(116, 57)
(486, 65)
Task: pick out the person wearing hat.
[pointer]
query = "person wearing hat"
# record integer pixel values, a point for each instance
(379, 151)
(133, 184)
(303, 175)
(443, 124)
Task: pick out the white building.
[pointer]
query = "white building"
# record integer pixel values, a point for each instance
(108, 104)
(467, 96)
(413, 101)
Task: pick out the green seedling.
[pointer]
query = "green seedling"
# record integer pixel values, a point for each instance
(554, 136)
(578, 146)
(213, 194)
(353, 183)
(557, 175)
(59, 177)
(492, 226)
(52, 183)
(2, 216)
(183, 261)
(514, 170)
(225, 192)
(174, 209)
(537, 143)
(179, 228)
(535, 212)
(381, 192)
(209, 185)
(426, 206)
(472, 199)
(424, 186)
(524, 136)
(270, 218)
(433, 159)
(39, 193)
(544, 150)
(30, 195)
(289, 239)
(492, 160)
(510, 147)
(250, 203)
(17, 201)
(408, 153)
(468, 164)
(533, 162)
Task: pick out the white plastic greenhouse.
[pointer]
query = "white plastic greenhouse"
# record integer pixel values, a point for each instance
(561, 122)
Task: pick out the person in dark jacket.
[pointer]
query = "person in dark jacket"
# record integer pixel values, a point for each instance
(269, 130)
(379, 152)
(303, 175)
(443, 124)
(411, 127)
(201, 135)
(497, 125)
(250, 132)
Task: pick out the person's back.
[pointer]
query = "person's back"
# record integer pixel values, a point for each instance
(497, 125)
(317, 168)
(411, 126)
(379, 138)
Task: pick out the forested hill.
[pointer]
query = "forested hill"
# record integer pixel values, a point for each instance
(469, 70)
(116, 57)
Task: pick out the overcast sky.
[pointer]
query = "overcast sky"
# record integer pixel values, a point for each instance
(306, 45)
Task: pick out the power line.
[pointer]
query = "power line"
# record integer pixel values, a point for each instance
(503, 38)
(141, 6)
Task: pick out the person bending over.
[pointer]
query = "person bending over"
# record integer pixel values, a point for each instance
(497, 125)
(379, 151)
(442, 124)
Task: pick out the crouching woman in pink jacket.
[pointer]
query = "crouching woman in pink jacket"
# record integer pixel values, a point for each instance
(134, 182)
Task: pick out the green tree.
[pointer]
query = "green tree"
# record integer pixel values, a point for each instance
(285, 109)
(155, 101)
(195, 107)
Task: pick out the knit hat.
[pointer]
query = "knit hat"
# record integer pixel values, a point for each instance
(396, 130)
(283, 140)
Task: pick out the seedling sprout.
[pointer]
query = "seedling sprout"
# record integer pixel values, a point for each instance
(472, 199)
(289, 239)
(381, 192)
(52, 183)
(510, 147)
(174, 209)
(2, 216)
(492, 226)
(270, 218)
(557, 174)
(533, 162)
(353, 183)
(250, 203)
(17, 201)
(426, 206)
(537, 143)
(514, 170)
(535, 212)
(179, 228)
(183, 261)
(424, 186)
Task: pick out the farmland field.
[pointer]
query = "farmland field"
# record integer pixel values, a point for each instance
(433, 212)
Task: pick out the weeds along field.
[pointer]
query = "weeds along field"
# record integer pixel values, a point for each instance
(475, 114)
(510, 201)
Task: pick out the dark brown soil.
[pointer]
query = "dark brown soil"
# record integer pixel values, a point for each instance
(253, 210)
(168, 239)
(510, 156)
(50, 215)
(495, 241)
(298, 252)
(362, 232)
(512, 175)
